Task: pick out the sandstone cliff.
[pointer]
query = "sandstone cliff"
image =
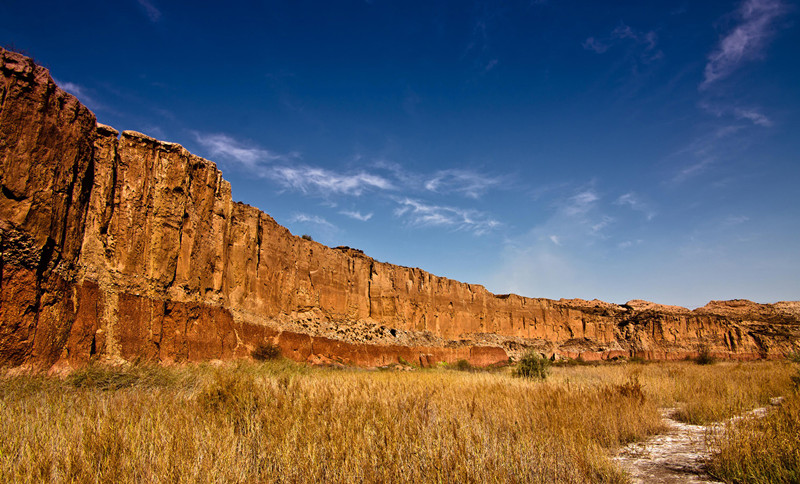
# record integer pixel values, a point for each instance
(122, 247)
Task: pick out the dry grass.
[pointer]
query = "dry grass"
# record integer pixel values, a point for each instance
(765, 450)
(282, 422)
(701, 393)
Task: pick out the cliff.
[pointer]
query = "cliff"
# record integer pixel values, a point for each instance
(122, 247)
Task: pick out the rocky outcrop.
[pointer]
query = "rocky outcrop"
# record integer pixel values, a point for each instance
(121, 247)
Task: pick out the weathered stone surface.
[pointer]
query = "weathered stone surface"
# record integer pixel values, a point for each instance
(123, 247)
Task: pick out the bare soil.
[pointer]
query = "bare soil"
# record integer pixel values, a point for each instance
(678, 455)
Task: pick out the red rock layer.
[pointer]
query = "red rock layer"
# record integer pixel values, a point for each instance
(125, 247)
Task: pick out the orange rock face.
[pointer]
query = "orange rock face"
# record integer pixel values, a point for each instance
(123, 247)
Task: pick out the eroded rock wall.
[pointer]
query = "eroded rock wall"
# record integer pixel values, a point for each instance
(121, 247)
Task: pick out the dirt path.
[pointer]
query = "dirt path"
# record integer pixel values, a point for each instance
(678, 455)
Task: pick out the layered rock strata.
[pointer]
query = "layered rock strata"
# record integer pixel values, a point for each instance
(122, 247)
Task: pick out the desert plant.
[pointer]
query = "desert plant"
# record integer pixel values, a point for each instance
(266, 351)
(533, 365)
(306, 237)
(631, 389)
(704, 356)
(462, 365)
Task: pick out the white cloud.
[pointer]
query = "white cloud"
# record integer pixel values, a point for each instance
(81, 93)
(554, 239)
(754, 116)
(745, 42)
(593, 44)
(706, 150)
(736, 220)
(750, 114)
(693, 169)
(422, 214)
(596, 228)
(229, 149)
(311, 219)
(357, 215)
(152, 12)
(633, 201)
(627, 244)
(580, 203)
(645, 41)
(465, 182)
(325, 182)
(305, 178)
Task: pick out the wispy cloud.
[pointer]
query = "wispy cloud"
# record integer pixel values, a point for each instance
(633, 201)
(596, 228)
(754, 116)
(420, 213)
(736, 220)
(276, 166)
(311, 219)
(746, 41)
(705, 150)
(152, 12)
(580, 203)
(81, 93)
(627, 244)
(647, 42)
(357, 215)
(593, 44)
(230, 149)
(469, 183)
(313, 179)
(751, 114)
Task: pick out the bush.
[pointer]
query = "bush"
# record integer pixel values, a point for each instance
(462, 365)
(266, 351)
(306, 237)
(704, 356)
(533, 365)
(631, 389)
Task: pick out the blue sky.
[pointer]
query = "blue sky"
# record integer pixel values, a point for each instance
(627, 150)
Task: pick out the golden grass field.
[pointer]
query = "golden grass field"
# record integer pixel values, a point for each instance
(280, 421)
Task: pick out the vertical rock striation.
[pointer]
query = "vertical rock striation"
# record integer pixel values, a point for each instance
(121, 247)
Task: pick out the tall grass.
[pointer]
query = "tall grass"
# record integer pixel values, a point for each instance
(764, 450)
(282, 422)
(701, 394)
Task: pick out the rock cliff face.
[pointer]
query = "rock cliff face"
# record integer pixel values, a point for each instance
(122, 247)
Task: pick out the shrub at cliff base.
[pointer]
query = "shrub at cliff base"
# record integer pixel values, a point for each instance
(533, 365)
(266, 351)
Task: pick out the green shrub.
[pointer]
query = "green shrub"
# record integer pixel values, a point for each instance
(462, 365)
(533, 365)
(266, 351)
(704, 356)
